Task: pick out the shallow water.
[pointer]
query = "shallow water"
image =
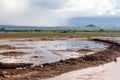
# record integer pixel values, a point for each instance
(43, 50)
(109, 71)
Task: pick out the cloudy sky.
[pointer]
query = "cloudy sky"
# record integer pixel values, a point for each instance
(54, 12)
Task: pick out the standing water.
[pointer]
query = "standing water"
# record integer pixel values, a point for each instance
(42, 51)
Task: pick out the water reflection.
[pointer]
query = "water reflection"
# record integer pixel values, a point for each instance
(45, 48)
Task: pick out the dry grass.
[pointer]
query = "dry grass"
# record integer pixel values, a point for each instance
(55, 34)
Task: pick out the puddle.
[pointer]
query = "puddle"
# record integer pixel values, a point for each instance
(109, 71)
(44, 49)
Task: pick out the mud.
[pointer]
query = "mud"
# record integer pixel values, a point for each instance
(107, 41)
(56, 68)
(13, 53)
(14, 65)
(5, 46)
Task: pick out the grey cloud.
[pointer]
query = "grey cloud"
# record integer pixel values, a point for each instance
(50, 4)
(47, 12)
(116, 3)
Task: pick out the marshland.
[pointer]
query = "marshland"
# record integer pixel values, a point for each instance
(49, 55)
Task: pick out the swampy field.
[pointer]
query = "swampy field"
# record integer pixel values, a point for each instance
(59, 55)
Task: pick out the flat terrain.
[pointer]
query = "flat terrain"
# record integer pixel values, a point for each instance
(52, 69)
(56, 34)
(38, 71)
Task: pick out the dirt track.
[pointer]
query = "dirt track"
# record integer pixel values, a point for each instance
(53, 69)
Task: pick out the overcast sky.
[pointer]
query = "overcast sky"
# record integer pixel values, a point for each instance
(53, 12)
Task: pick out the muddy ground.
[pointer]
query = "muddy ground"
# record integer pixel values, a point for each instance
(50, 70)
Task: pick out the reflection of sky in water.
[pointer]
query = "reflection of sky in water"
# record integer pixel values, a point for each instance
(42, 50)
(79, 44)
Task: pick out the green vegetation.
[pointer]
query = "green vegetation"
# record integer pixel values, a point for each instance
(55, 33)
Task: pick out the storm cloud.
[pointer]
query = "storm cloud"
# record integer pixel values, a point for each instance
(53, 12)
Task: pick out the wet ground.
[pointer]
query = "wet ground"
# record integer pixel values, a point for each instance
(109, 71)
(105, 70)
(47, 51)
(116, 39)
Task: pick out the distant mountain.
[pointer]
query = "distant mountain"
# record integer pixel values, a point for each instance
(91, 25)
(98, 21)
(76, 23)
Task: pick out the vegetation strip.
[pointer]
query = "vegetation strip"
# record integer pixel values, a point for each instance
(56, 68)
(56, 34)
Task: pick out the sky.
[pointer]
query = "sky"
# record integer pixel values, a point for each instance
(54, 12)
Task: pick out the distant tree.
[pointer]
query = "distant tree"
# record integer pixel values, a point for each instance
(74, 31)
(101, 30)
(2, 29)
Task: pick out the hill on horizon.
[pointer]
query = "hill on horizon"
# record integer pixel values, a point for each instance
(112, 23)
(98, 21)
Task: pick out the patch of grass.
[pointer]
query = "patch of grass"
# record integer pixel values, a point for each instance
(56, 34)
(5, 46)
(12, 53)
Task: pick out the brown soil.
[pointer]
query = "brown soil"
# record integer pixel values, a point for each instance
(85, 49)
(14, 65)
(56, 68)
(32, 37)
